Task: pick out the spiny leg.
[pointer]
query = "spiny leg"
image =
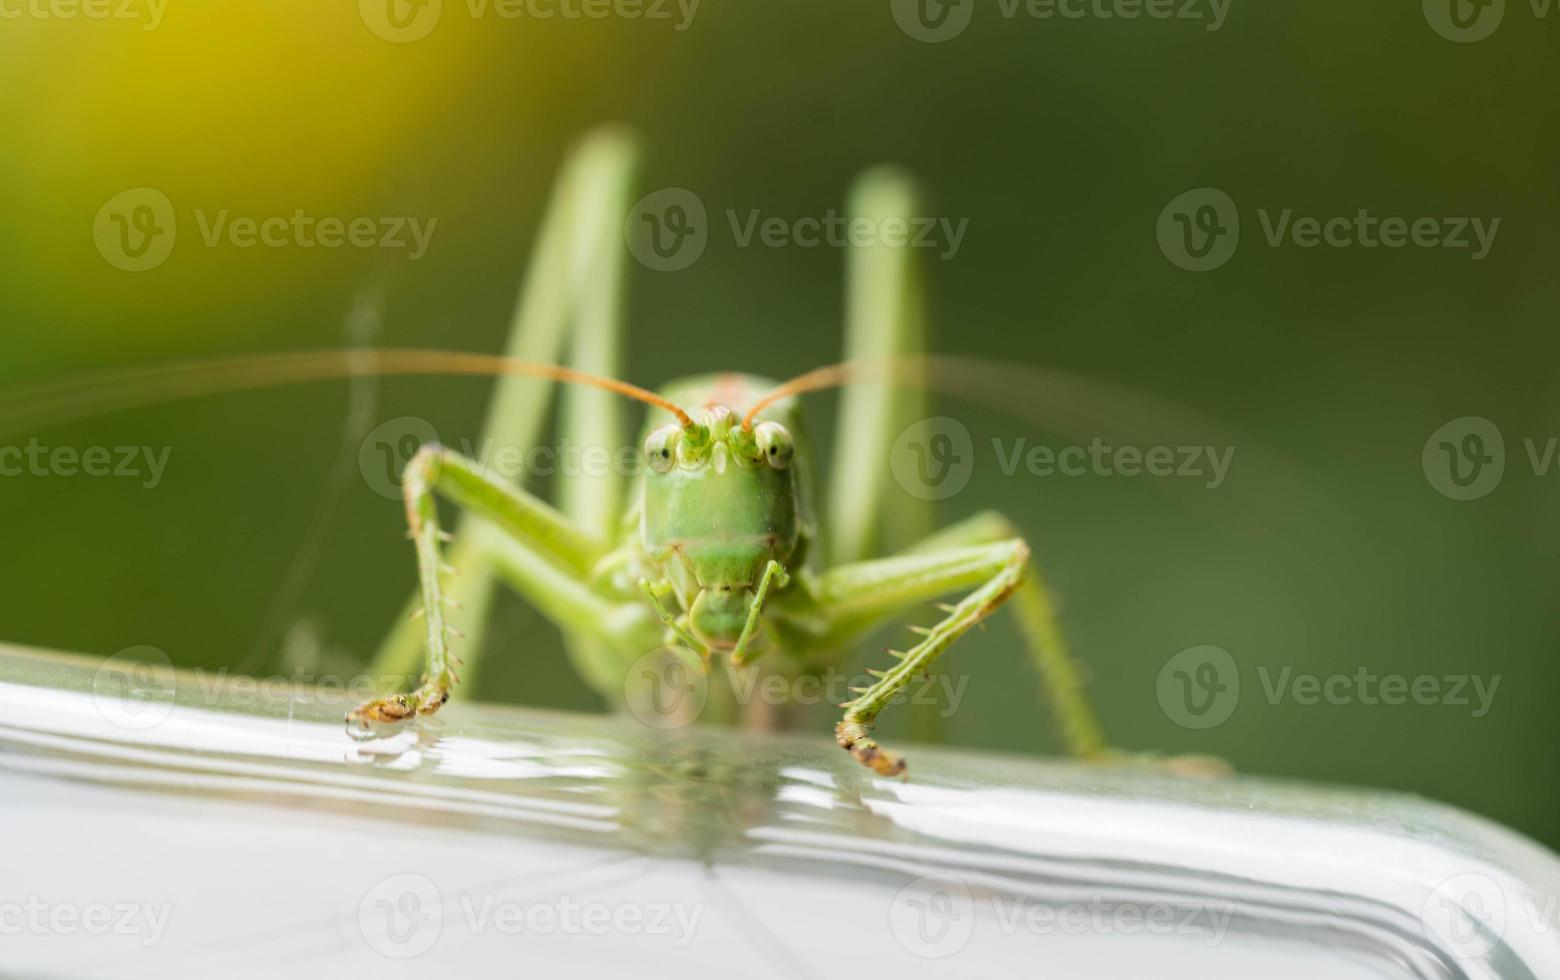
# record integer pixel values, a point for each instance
(549, 301)
(536, 548)
(854, 598)
(1061, 679)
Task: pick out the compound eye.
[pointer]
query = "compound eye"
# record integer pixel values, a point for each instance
(774, 444)
(661, 448)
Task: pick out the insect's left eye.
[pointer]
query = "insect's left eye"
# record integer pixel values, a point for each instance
(661, 448)
(774, 444)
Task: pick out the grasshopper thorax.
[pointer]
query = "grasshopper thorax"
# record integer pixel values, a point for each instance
(719, 502)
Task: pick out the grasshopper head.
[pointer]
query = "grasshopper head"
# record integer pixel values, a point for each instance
(720, 501)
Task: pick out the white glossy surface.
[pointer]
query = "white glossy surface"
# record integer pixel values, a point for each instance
(234, 842)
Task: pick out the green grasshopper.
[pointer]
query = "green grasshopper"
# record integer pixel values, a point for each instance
(715, 548)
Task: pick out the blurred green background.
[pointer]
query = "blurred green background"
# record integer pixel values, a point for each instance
(1060, 140)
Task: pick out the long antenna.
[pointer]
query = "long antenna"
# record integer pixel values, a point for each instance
(106, 391)
(834, 376)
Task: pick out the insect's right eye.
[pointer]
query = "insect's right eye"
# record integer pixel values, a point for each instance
(661, 448)
(774, 444)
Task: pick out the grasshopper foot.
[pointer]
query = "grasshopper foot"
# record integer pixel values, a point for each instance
(853, 738)
(399, 707)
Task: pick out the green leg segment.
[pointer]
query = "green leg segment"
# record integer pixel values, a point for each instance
(774, 577)
(557, 292)
(677, 629)
(1061, 678)
(884, 318)
(853, 598)
(537, 549)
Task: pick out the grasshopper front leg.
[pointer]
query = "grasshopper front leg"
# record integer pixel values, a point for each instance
(572, 284)
(855, 597)
(539, 551)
